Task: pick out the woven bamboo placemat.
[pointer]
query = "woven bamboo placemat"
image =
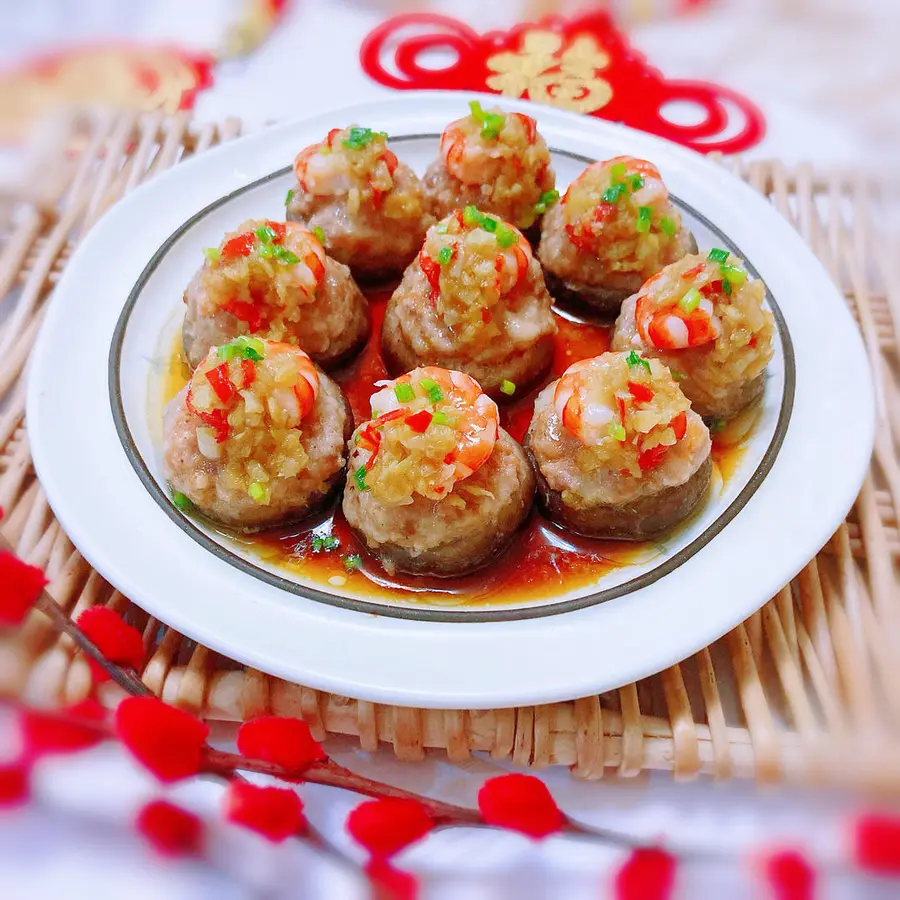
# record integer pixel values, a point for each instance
(808, 689)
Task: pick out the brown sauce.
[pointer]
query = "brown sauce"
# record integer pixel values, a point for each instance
(543, 560)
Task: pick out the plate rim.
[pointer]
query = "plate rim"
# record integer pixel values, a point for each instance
(516, 671)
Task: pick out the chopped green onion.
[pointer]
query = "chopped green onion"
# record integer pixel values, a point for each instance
(319, 232)
(734, 274)
(352, 562)
(716, 425)
(726, 287)
(506, 237)
(404, 392)
(358, 138)
(691, 300)
(645, 214)
(616, 431)
(212, 253)
(617, 171)
(635, 359)
(667, 226)
(548, 198)
(477, 112)
(441, 418)
(507, 387)
(445, 255)
(435, 394)
(442, 228)
(317, 544)
(181, 501)
(612, 194)
(492, 125)
(259, 493)
(678, 376)
(471, 215)
(266, 251)
(243, 346)
(266, 234)
(332, 542)
(636, 182)
(283, 255)
(717, 255)
(489, 224)
(289, 197)
(359, 476)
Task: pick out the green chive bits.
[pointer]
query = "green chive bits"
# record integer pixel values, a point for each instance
(645, 214)
(507, 387)
(181, 501)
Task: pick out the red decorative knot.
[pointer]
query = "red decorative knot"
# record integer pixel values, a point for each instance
(582, 63)
(521, 803)
(275, 813)
(118, 641)
(385, 827)
(648, 874)
(790, 876)
(876, 844)
(13, 784)
(170, 830)
(20, 586)
(284, 742)
(49, 733)
(389, 883)
(168, 741)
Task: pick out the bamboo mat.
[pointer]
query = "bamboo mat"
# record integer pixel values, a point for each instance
(808, 689)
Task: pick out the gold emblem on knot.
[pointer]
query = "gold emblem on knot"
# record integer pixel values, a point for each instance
(548, 73)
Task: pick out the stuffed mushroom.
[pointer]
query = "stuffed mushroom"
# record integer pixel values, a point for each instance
(258, 436)
(617, 449)
(436, 486)
(614, 228)
(273, 280)
(496, 161)
(366, 206)
(474, 300)
(705, 319)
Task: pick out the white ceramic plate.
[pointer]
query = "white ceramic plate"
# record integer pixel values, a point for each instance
(94, 408)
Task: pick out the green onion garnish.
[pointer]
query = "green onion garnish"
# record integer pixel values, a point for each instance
(445, 255)
(181, 501)
(266, 234)
(616, 431)
(691, 300)
(506, 238)
(717, 255)
(617, 171)
(441, 227)
(441, 418)
(471, 215)
(667, 226)
(489, 224)
(477, 112)
(435, 394)
(359, 476)
(716, 425)
(266, 251)
(352, 562)
(317, 544)
(213, 254)
(332, 542)
(258, 492)
(283, 255)
(645, 214)
(492, 125)
(319, 232)
(734, 274)
(507, 387)
(244, 347)
(636, 182)
(289, 197)
(404, 392)
(726, 287)
(678, 376)
(548, 198)
(612, 194)
(635, 359)
(359, 138)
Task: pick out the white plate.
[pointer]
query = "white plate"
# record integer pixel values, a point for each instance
(93, 421)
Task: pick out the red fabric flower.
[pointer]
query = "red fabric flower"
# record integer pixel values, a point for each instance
(282, 741)
(46, 733)
(118, 641)
(275, 813)
(521, 803)
(13, 784)
(171, 830)
(876, 844)
(385, 827)
(389, 883)
(20, 586)
(168, 741)
(790, 876)
(648, 874)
